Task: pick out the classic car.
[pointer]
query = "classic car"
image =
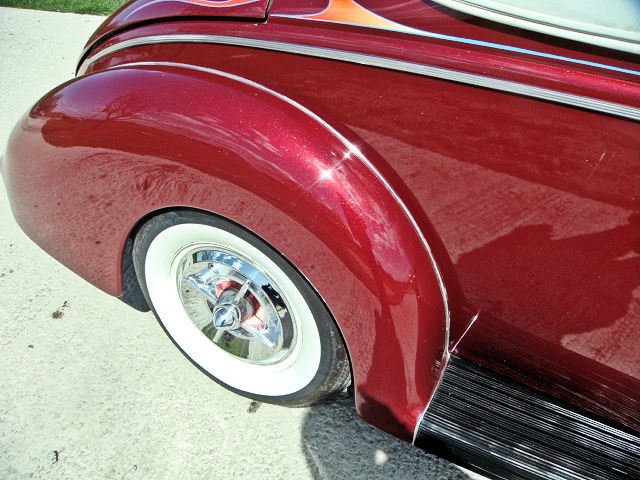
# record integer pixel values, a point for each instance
(436, 202)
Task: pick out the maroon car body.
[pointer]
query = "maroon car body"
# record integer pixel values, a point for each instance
(449, 185)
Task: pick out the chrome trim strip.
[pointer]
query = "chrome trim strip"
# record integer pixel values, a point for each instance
(470, 41)
(351, 147)
(471, 323)
(517, 88)
(445, 364)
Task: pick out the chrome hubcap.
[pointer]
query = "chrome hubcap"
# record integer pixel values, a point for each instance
(235, 304)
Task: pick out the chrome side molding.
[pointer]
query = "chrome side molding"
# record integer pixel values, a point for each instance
(508, 430)
(517, 88)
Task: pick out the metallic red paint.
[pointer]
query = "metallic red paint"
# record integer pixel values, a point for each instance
(542, 72)
(517, 165)
(531, 207)
(306, 194)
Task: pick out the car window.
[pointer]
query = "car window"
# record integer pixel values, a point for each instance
(609, 23)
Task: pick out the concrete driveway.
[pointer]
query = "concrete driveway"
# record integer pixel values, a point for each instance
(90, 388)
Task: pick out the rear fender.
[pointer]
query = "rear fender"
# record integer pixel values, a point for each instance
(100, 153)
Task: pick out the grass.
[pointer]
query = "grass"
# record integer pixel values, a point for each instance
(96, 7)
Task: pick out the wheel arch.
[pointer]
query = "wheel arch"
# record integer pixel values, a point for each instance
(215, 143)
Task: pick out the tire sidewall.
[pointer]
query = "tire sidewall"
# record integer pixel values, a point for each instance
(332, 371)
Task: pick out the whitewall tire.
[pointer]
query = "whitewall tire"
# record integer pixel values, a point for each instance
(238, 310)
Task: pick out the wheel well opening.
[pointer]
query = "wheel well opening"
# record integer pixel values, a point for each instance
(132, 293)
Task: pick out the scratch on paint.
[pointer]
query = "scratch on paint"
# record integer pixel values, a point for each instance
(597, 164)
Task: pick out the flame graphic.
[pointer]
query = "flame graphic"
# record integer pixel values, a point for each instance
(348, 11)
(217, 3)
(203, 3)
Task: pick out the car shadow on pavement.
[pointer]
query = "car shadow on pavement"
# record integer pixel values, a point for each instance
(340, 445)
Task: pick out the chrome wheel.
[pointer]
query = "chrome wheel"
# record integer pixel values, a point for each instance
(238, 310)
(235, 305)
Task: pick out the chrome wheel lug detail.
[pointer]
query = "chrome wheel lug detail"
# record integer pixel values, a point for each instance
(226, 316)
